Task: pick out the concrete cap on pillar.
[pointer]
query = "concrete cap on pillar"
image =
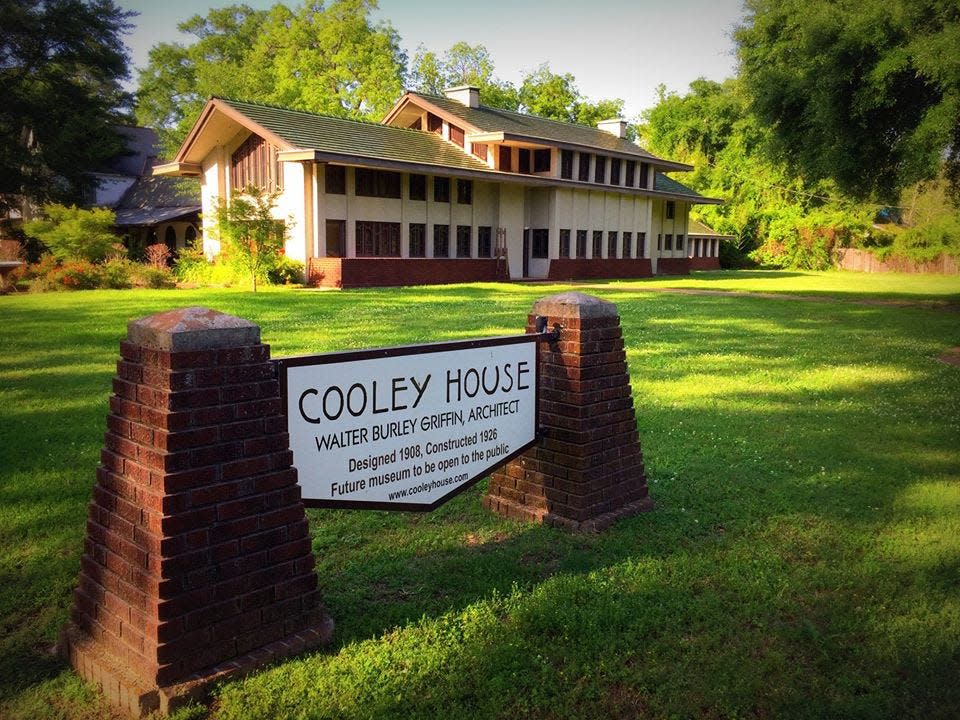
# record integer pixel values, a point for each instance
(192, 328)
(574, 305)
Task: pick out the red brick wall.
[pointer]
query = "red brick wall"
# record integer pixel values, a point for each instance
(391, 272)
(673, 266)
(704, 263)
(598, 269)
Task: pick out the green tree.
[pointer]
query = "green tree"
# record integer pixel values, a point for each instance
(252, 236)
(329, 59)
(71, 233)
(462, 64)
(557, 97)
(865, 92)
(61, 67)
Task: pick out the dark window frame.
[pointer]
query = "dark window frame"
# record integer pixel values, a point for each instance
(600, 169)
(464, 241)
(597, 244)
(631, 177)
(668, 241)
(441, 189)
(441, 241)
(484, 241)
(457, 136)
(417, 240)
(370, 182)
(626, 244)
(377, 239)
(583, 169)
(523, 164)
(581, 249)
(612, 238)
(615, 165)
(417, 188)
(670, 210)
(464, 192)
(541, 160)
(566, 164)
(564, 243)
(540, 243)
(335, 179)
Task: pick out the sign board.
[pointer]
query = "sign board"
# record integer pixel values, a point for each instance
(407, 428)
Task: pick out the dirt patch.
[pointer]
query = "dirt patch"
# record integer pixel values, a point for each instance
(950, 357)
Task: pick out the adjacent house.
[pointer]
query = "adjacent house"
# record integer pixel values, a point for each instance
(703, 246)
(446, 189)
(149, 209)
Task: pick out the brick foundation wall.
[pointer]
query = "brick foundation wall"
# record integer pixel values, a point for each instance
(587, 471)
(197, 560)
(673, 266)
(704, 263)
(599, 269)
(392, 272)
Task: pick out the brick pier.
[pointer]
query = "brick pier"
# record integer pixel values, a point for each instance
(197, 563)
(587, 472)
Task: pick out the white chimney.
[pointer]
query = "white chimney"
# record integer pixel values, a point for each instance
(465, 95)
(617, 126)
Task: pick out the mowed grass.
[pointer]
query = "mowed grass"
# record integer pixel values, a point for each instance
(803, 559)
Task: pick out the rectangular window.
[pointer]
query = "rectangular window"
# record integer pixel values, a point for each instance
(541, 243)
(480, 150)
(541, 160)
(506, 158)
(614, 171)
(441, 189)
(418, 240)
(600, 169)
(671, 210)
(659, 241)
(627, 244)
(641, 244)
(566, 164)
(631, 179)
(524, 160)
(418, 187)
(463, 241)
(583, 172)
(465, 192)
(376, 183)
(378, 239)
(456, 135)
(598, 243)
(335, 179)
(484, 244)
(564, 243)
(644, 175)
(668, 241)
(612, 244)
(679, 242)
(441, 241)
(581, 243)
(434, 124)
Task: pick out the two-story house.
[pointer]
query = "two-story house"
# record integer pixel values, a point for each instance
(445, 190)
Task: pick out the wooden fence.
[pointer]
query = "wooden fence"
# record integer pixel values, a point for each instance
(864, 261)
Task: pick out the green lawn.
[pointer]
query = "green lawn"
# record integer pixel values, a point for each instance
(803, 559)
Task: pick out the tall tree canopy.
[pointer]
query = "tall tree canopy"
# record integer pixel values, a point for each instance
(328, 59)
(61, 67)
(462, 64)
(866, 92)
(549, 95)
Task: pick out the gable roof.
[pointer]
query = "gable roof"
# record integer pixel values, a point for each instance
(698, 229)
(151, 200)
(355, 138)
(141, 149)
(303, 136)
(514, 125)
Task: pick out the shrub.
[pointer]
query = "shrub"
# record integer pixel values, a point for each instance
(928, 241)
(286, 272)
(153, 277)
(158, 256)
(75, 234)
(76, 275)
(116, 274)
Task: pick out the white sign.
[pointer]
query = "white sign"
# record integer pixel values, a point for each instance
(406, 428)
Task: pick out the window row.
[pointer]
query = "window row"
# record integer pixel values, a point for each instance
(666, 242)
(255, 164)
(626, 247)
(386, 184)
(382, 239)
(704, 247)
(606, 170)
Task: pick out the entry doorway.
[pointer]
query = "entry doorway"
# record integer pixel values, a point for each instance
(336, 238)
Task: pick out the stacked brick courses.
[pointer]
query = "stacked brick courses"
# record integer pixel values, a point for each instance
(197, 562)
(587, 471)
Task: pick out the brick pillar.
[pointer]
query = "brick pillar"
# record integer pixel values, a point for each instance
(197, 562)
(587, 471)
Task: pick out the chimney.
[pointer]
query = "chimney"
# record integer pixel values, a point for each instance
(465, 95)
(617, 126)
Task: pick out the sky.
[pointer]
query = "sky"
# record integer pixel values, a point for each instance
(614, 48)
